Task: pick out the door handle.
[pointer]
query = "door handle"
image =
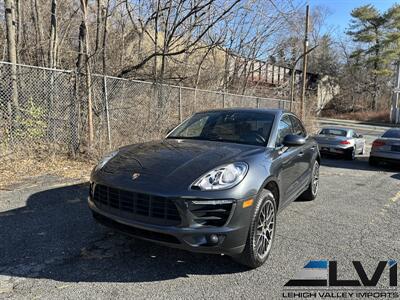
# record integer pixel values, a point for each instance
(312, 148)
(300, 154)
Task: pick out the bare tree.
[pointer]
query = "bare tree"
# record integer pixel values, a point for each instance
(13, 106)
(175, 19)
(53, 35)
(84, 36)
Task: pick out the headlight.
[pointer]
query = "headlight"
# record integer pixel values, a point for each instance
(105, 159)
(223, 177)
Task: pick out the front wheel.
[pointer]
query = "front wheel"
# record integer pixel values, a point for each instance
(312, 190)
(261, 232)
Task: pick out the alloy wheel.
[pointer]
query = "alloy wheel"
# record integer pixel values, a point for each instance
(265, 230)
(315, 179)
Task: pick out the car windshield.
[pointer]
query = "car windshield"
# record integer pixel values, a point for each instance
(336, 132)
(392, 133)
(251, 128)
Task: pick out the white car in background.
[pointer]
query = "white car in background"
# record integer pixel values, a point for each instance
(340, 141)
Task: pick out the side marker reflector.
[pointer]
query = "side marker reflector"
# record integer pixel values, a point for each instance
(248, 203)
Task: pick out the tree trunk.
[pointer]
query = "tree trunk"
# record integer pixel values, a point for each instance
(105, 36)
(36, 19)
(75, 103)
(84, 6)
(53, 36)
(98, 24)
(18, 18)
(13, 105)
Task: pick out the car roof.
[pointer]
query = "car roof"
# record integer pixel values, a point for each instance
(275, 111)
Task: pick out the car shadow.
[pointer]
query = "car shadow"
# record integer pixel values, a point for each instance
(55, 237)
(360, 163)
(396, 176)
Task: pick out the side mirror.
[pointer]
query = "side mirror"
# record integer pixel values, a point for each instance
(360, 136)
(293, 140)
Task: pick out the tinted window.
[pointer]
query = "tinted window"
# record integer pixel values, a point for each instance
(196, 127)
(337, 132)
(392, 133)
(298, 127)
(227, 126)
(285, 127)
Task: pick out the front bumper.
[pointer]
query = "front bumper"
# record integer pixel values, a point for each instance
(231, 237)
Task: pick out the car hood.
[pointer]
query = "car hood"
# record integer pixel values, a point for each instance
(176, 159)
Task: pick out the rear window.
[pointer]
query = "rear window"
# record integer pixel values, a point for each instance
(336, 132)
(392, 133)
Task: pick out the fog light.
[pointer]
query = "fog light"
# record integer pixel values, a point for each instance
(213, 239)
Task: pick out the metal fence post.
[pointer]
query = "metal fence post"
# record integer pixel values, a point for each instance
(223, 99)
(107, 111)
(258, 102)
(180, 105)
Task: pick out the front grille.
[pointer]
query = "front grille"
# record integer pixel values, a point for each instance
(138, 206)
(210, 214)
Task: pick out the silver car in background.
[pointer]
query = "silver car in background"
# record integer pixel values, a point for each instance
(386, 148)
(340, 141)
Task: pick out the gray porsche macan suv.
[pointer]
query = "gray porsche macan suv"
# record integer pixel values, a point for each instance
(215, 184)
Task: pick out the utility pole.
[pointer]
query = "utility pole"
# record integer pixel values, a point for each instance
(394, 116)
(305, 53)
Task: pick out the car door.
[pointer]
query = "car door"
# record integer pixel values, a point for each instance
(287, 159)
(304, 154)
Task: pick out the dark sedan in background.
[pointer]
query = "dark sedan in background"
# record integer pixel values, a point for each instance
(214, 184)
(386, 148)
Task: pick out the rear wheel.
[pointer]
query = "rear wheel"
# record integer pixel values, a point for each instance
(350, 154)
(261, 232)
(312, 191)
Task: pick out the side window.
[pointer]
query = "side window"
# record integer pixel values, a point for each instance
(298, 127)
(285, 127)
(355, 135)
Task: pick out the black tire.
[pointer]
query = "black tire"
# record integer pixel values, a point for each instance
(312, 192)
(373, 161)
(250, 256)
(350, 154)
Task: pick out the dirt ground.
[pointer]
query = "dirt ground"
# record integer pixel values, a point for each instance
(18, 168)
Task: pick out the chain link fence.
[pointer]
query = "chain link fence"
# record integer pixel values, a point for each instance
(48, 108)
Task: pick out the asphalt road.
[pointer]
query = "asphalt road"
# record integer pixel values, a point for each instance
(51, 249)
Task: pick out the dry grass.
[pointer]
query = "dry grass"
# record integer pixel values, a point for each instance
(17, 167)
(382, 116)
